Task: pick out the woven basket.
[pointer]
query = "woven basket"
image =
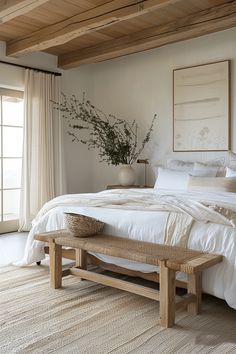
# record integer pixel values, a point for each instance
(82, 225)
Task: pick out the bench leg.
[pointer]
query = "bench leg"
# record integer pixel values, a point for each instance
(81, 258)
(167, 296)
(195, 287)
(55, 252)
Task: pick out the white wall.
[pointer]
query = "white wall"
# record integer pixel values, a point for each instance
(78, 159)
(137, 86)
(13, 77)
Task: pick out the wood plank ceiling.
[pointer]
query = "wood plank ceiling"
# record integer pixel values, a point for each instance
(88, 31)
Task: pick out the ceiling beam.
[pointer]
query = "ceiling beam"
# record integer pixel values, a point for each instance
(10, 9)
(215, 19)
(91, 20)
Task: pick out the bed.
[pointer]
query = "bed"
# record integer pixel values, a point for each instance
(207, 221)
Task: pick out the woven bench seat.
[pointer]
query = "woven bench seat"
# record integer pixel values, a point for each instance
(169, 258)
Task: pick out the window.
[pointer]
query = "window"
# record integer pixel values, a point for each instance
(11, 143)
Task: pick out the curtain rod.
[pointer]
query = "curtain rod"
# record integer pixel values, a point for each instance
(29, 67)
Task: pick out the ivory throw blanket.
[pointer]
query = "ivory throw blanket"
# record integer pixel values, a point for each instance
(203, 211)
(204, 221)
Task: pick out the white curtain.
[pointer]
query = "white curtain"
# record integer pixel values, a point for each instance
(42, 170)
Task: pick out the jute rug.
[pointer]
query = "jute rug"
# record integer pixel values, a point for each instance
(84, 317)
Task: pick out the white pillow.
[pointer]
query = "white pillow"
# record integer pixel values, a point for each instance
(209, 184)
(155, 170)
(170, 179)
(230, 172)
(180, 165)
(202, 173)
(204, 166)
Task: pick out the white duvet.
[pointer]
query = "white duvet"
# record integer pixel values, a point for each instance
(134, 214)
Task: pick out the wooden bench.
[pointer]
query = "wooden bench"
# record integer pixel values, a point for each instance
(170, 259)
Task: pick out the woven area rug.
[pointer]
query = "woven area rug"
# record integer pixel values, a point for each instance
(84, 317)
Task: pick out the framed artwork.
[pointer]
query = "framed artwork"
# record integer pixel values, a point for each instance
(201, 107)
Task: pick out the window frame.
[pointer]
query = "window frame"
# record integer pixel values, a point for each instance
(7, 225)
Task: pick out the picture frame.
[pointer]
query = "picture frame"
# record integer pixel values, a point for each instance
(201, 107)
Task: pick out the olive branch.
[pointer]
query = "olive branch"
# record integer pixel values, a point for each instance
(115, 138)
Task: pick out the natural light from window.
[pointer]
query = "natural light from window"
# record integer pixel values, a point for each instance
(11, 135)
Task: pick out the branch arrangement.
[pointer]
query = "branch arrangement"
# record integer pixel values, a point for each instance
(115, 138)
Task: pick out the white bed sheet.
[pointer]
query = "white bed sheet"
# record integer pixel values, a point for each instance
(219, 280)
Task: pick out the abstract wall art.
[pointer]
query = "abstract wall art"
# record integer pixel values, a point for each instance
(202, 107)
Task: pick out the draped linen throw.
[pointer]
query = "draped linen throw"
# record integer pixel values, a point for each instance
(42, 171)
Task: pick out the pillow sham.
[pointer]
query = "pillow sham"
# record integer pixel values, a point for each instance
(212, 184)
(217, 169)
(202, 173)
(230, 172)
(155, 170)
(171, 179)
(180, 165)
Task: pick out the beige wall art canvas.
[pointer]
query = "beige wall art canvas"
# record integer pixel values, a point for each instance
(201, 108)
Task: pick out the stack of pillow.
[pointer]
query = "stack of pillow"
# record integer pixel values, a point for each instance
(185, 175)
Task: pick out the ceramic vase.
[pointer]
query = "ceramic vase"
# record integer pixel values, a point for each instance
(126, 175)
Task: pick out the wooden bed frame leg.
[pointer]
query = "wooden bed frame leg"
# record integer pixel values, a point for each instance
(55, 252)
(195, 287)
(167, 295)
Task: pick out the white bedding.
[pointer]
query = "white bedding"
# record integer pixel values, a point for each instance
(145, 223)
